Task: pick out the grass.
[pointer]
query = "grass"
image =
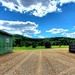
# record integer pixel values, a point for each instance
(38, 47)
(29, 48)
(63, 46)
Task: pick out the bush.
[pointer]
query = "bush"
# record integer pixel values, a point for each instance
(34, 45)
(27, 43)
(47, 44)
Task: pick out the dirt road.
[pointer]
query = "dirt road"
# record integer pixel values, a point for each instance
(39, 62)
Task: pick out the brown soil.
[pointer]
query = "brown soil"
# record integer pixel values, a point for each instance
(39, 62)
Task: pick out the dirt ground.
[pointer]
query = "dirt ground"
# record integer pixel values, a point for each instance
(39, 62)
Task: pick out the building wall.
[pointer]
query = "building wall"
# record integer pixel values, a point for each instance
(5, 43)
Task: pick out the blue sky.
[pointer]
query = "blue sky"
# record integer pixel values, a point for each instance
(38, 18)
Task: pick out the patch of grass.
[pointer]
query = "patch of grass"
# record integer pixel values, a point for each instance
(37, 48)
(29, 48)
(63, 46)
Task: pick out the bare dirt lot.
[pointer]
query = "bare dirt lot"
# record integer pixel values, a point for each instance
(39, 62)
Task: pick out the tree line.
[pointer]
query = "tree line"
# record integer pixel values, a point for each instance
(19, 40)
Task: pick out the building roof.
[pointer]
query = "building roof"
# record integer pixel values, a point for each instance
(3, 32)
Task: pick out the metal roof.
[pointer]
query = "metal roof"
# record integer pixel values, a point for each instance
(3, 32)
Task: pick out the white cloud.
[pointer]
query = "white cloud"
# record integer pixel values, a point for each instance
(27, 35)
(40, 36)
(5, 9)
(18, 27)
(72, 35)
(62, 32)
(59, 10)
(56, 31)
(74, 27)
(66, 1)
(36, 7)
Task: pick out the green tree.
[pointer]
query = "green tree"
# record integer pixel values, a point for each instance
(34, 45)
(47, 44)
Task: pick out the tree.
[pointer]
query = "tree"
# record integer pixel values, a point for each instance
(60, 42)
(47, 44)
(34, 45)
(27, 43)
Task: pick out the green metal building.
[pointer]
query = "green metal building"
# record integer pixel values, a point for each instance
(5, 42)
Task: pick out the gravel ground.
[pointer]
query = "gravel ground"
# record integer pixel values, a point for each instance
(39, 62)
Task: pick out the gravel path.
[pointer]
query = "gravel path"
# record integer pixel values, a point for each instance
(39, 62)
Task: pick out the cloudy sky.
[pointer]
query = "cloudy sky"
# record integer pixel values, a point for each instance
(38, 18)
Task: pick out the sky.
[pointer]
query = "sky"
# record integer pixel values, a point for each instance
(38, 18)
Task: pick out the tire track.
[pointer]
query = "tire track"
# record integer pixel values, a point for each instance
(5, 67)
(39, 62)
(70, 71)
(10, 72)
(8, 57)
(39, 69)
(70, 55)
(47, 67)
(56, 62)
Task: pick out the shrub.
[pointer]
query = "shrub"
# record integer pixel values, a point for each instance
(34, 45)
(47, 44)
(27, 43)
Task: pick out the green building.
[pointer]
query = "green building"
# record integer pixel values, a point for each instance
(5, 42)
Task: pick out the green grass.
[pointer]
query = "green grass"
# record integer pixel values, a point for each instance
(38, 47)
(63, 46)
(29, 48)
